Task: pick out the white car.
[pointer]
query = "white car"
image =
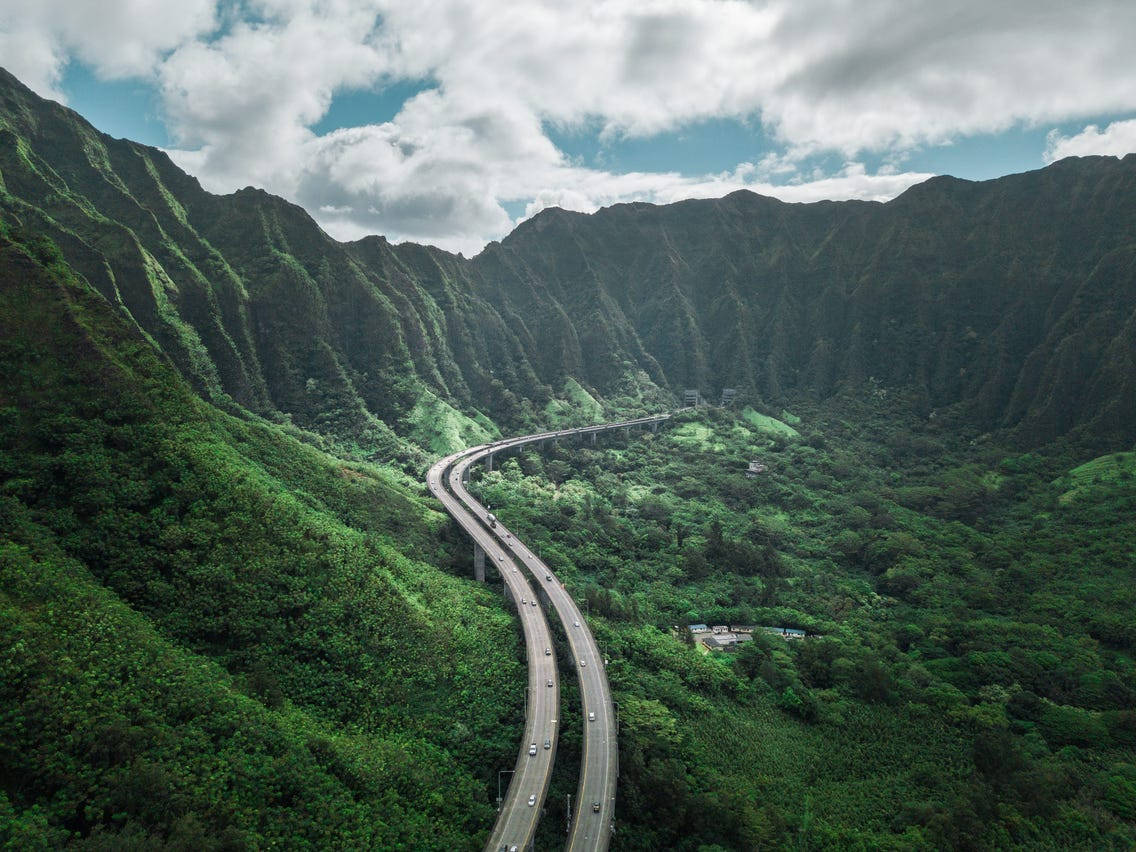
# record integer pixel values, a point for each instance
(583, 664)
(591, 717)
(548, 652)
(550, 681)
(532, 801)
(532, 748)
(575, 624)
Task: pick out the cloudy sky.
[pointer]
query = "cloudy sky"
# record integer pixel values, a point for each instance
(448, 122)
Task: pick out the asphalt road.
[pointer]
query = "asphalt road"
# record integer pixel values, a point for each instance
(593, 819)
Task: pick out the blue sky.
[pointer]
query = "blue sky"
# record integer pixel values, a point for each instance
(132, 109)
(450, 122)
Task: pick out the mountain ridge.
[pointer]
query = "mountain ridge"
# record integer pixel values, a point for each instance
(957, 292)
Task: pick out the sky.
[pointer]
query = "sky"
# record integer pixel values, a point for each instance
(450, 122)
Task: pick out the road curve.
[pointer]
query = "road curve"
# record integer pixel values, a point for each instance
(517, 819)
(594, 815)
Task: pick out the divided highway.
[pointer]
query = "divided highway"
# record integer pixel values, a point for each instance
(524, 800)
(592, 821)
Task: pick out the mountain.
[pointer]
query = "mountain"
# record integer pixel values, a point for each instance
(231, 618)
(1007, 304)
(1014, 299)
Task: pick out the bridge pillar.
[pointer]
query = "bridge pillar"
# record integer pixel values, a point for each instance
(478, 563)
(594, 438)
(654, 425)
(489, 462)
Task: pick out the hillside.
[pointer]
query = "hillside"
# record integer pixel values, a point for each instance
(214, 635)
(1010, 300)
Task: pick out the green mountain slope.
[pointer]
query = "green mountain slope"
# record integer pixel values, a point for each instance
(1013, 300)
(228, 615)
(211, 631)
(1008, 302)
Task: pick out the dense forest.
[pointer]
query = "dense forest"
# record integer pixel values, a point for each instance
(968, 680)
(231, 617)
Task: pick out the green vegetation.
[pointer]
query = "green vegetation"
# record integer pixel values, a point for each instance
(970, 680)
(214, 635)
(1103, 474)
(443, 429)
(229, 617)
(769, 425)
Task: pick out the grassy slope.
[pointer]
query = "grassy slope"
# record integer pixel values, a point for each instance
(1105, 472)
(214, 633)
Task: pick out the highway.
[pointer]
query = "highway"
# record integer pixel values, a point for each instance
(517, 819)
(594, 813)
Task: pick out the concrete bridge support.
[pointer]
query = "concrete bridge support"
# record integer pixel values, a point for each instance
(594, 438)
(478, 563)
(654, 425)
(489, 462)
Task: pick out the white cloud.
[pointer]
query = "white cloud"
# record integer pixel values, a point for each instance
(593, 189)
(821, 77)
(1118, 139)
(117, 38)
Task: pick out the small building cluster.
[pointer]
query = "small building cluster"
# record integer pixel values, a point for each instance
(755, 468)
(722, 636)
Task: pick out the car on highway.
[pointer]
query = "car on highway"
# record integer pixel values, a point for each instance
(492, 520)
(591, 717)
(547, 743)
(548, 577)
(595, 807)
(532, 801)
(548, 652)
(533, 601)
(532, 750)
(575, 624)
(583, 664)
(523, 601)
(550, 681)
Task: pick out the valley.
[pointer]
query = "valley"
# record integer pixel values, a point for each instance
(236, 610)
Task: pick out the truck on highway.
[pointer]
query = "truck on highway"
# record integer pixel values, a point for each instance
(492, 520)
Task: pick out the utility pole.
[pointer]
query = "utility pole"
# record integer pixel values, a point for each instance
(568, 815)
